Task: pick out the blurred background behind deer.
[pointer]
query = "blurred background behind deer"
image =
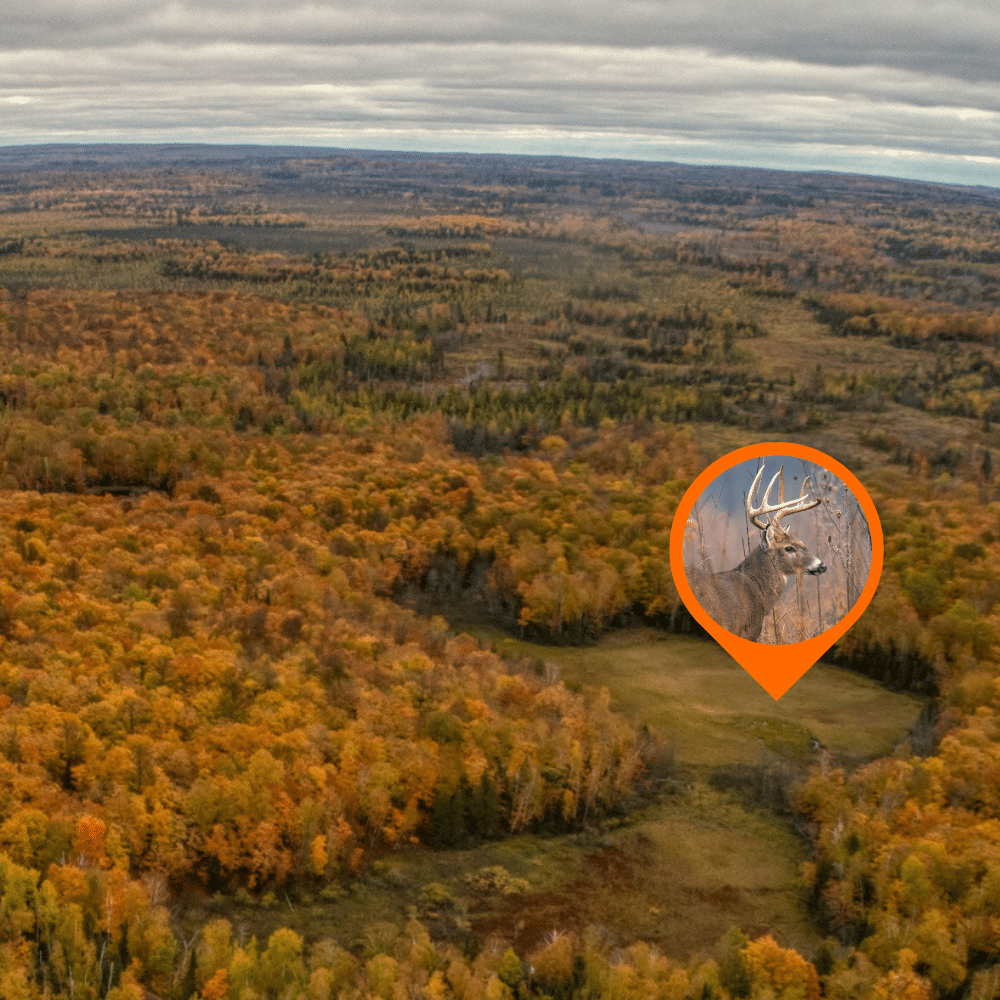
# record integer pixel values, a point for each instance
(720, 535)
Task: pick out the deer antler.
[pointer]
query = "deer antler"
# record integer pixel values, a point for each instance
(778, 509)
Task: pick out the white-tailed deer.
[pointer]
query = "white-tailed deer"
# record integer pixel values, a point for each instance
(740, 599)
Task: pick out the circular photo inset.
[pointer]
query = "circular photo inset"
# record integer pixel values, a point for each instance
(777, 550)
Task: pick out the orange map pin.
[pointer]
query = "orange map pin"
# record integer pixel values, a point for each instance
(776, 550)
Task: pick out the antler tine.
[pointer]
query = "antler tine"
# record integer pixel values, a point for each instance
(778, 509)
(797, 506)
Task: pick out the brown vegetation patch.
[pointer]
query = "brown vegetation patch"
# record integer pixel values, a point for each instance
(632, 890)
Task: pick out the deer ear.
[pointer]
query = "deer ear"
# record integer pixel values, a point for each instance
(768, 539)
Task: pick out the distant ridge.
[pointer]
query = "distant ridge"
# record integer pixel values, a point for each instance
(91, 156)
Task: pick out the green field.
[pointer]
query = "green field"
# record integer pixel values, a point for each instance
(712, 712)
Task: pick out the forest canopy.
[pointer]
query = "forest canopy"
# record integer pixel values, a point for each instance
(266, 430)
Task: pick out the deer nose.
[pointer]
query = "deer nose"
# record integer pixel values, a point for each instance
(817, 567)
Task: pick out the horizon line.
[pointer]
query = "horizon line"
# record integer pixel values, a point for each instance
(417, 153)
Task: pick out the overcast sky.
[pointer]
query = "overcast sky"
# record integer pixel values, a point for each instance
(908, 88)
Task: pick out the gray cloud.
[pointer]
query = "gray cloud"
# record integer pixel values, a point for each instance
(912, 85)
(959, 38)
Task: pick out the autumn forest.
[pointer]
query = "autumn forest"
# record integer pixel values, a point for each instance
(340, 654)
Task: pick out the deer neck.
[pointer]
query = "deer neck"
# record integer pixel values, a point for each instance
(760, 566)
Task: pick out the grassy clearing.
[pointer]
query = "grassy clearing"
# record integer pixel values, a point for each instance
(688, 868)
(678, 873)
(713, 712)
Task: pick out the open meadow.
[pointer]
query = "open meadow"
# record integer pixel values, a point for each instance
(712, 713)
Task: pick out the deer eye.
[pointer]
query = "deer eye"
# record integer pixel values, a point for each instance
(789, 548)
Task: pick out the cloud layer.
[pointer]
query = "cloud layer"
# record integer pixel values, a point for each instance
(908, 88)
